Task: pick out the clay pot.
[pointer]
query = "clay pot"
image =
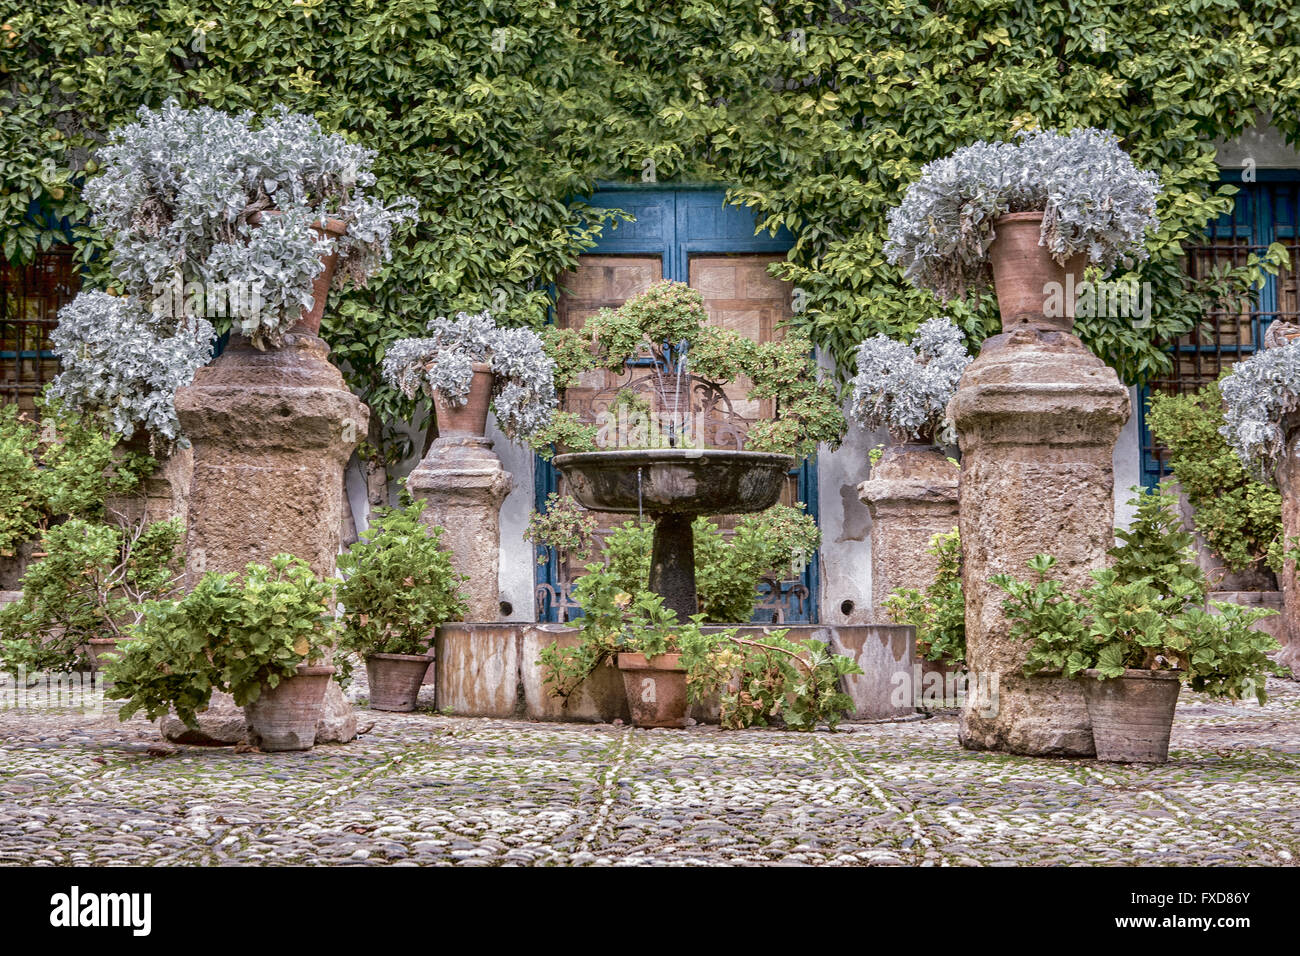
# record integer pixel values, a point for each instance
(309, 322)
(655, 688)
(395, 680)
(1132, 715)
(1023, 274)
(285, 717)
(468, 420)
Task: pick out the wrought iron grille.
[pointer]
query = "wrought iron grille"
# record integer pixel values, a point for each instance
(30, 298)
(1264, 212)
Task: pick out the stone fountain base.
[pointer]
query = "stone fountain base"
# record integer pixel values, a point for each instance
(493, 670)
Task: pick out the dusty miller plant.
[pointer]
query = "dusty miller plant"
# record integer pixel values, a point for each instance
(1094, 201)
(230, 200)
(523, 384)
(1258, 394)
(906, 387)
(121, 361)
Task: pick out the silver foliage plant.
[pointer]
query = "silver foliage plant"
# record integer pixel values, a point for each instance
(119, 362)
(230, 199)
(523, 386)
(906, 387)
(1257, 394)
(1094, 201)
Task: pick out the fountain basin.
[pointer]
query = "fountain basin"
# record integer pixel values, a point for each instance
(679, 481)
(673, 485)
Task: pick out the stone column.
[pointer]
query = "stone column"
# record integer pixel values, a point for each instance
(272, 432)
(464, 483)
(912, 496)
(1288, 482)
(1038, 415)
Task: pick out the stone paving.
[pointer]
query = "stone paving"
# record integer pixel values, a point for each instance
(428, 789)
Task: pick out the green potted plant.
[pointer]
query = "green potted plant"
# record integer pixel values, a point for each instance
(1137, 633)
(262, 637)
(938, 611)
(398, 586)
(86, 592)
(1024, 215)
(667, 663)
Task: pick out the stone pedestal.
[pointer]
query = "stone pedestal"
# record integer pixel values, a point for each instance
(1288, 482)
(271, 433)
(464, 484)
(1038, 415)
(912, 496)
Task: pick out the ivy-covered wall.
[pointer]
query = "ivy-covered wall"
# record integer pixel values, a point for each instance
(496, 114)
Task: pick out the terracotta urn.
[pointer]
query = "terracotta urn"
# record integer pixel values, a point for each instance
(468, 420)
(285, 717)
(309, 321)
(395, 680)
(1033, 289)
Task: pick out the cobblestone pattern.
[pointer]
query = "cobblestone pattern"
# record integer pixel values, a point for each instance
(427, 789)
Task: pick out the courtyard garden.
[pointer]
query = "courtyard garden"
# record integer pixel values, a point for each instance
(830, 554)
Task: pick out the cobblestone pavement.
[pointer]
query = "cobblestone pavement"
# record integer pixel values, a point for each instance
(428, 789)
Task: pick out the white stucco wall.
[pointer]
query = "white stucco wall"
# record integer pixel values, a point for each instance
(517, 562)
(1127, 461)
(846, 528)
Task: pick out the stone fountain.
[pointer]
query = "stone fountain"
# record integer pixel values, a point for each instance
(674, 486)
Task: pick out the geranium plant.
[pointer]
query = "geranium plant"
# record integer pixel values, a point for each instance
(398, 585)
(92, 582)
(238, 203)
(938, 612)
(233, 633)
(1146, 611)
(757, 679)
(906, 387)
(1094, 201)
(523, 376)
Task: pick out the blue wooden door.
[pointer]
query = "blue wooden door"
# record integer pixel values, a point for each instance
(689, 235)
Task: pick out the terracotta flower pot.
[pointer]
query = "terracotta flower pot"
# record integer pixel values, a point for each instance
(1132, 715)
(1028, 281)
(309, 321)
(655, 688)
(284, 717)
(395, 680)
(468, 420)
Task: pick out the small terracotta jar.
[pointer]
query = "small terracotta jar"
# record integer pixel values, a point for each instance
(1033, 289)
(468, 420)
